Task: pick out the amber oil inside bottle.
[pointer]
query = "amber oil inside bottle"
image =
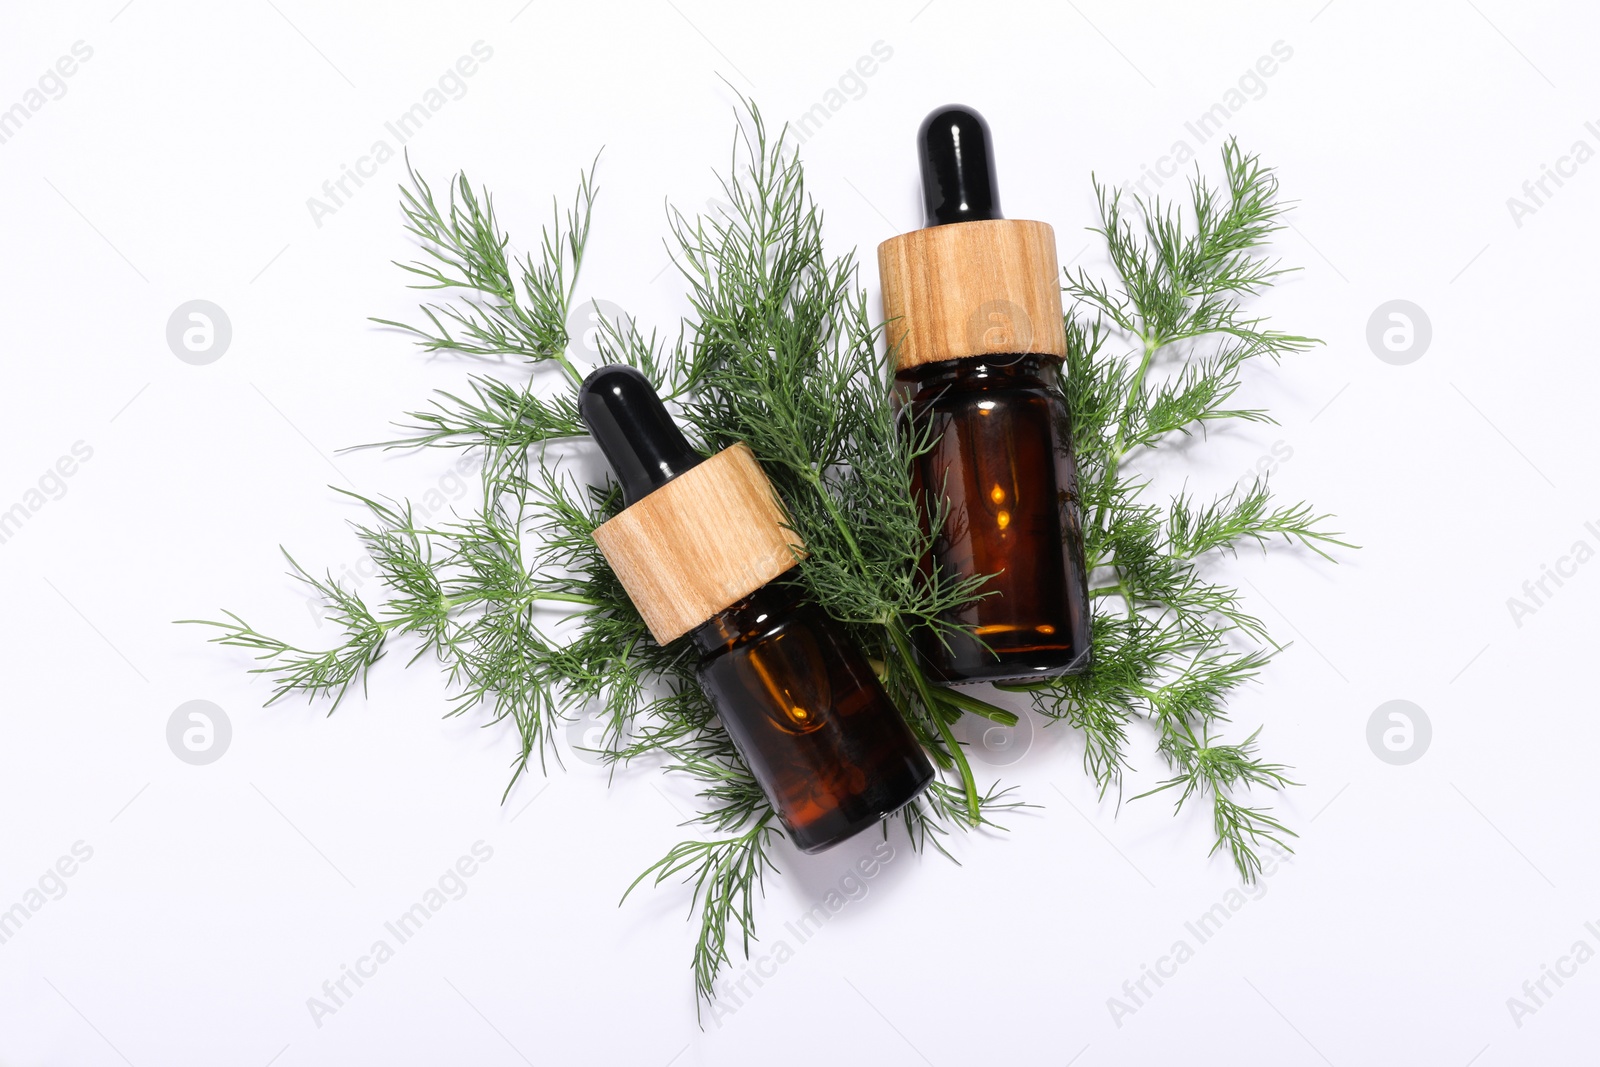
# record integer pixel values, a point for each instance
(1002, 457)
(807, 713)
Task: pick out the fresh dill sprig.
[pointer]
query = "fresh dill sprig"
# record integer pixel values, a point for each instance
(504, 306)
(1170, 655)
(315, 673)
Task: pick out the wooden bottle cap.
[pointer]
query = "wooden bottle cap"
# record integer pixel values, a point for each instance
(700, 544)
(987, 287)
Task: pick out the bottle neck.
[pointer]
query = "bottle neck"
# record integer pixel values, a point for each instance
(753, 615)
(1006, 371)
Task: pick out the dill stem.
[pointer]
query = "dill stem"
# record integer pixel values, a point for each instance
(1114, 460)
(1135, 388)
(450, 602)
(814, 479)
(566, 598)
(566, 365)
(1127, 594)
(902, 645)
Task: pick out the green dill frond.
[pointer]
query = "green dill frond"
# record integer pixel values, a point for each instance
(1216, 771)
(929, 819)
(727, 876)
(1165, 637)
(498, 415)
(1244, 515)
(317, 674)
(503, 306)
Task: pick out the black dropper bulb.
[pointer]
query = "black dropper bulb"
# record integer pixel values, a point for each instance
(957, 160)
(627, 419)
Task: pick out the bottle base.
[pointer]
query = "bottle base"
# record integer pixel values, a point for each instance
(1009, 668)
(864, 812)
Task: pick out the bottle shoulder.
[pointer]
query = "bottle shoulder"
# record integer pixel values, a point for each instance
(1003, 380)
(766, 612)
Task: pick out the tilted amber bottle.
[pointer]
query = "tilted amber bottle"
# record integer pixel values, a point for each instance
(973, 304)
(700, 548)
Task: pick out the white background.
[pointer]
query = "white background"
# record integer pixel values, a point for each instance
(177, 166)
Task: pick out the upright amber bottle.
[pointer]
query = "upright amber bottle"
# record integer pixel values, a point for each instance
(973, 303)
(699, 548)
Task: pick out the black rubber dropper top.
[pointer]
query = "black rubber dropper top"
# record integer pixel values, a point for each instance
(957, 160)
(627, 419)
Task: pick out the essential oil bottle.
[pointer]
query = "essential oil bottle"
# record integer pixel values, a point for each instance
(700, 546)
(973, 303)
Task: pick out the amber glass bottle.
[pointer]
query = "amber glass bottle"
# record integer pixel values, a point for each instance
(701, 548)
(975, 328)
